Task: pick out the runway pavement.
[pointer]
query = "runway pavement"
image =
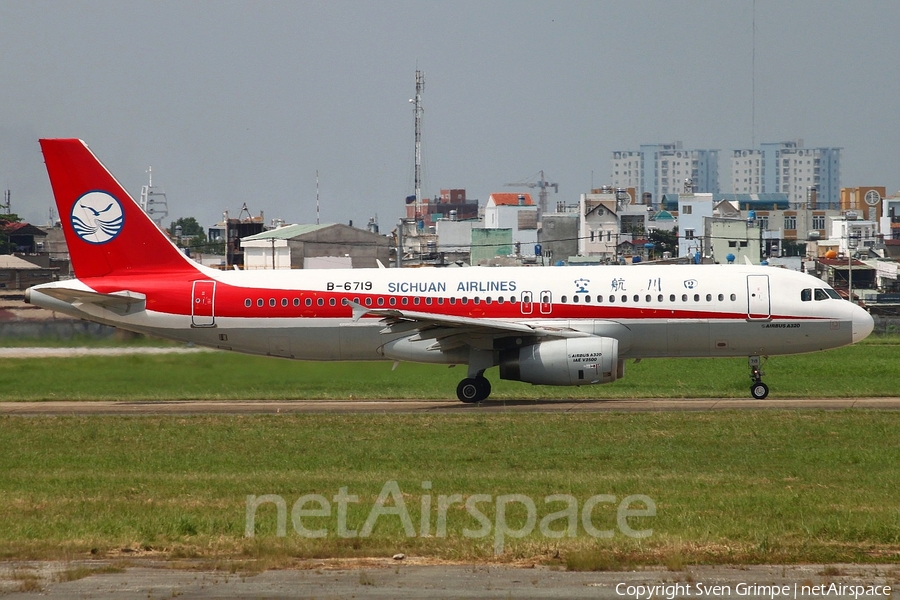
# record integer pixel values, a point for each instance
(374, 578)
(251, 407)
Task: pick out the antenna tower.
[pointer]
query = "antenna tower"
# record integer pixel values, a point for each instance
(418, 110)
(153, 200)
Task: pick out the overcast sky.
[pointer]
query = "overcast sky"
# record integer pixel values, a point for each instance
(234, 102)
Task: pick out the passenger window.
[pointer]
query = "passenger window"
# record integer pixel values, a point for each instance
(721, 297)
(624, 298)
(612, 298)
(393, 301)
(297, 302)
(321, 302)
(308, 302)
(563, 299)
(820, 294)
(284, 301)
(637, 298)
(416, 300)
(587, 298)
(344, 302)
(441, 300)
(453, 300)
(260, 302)
(380, 301)
(648, 297)
(733, 297)
(332, 302)
(806, 295)
(272, 302)
(404, 301)
(248, 303)
(368, 301)
(487, 300)
(671, 297)
(465, 300)
(659, 298)
(476, 300)
(696, 297)
(684, 297)
(709, 297)
(428, 301)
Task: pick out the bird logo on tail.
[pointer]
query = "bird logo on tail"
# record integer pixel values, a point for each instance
(97, 217)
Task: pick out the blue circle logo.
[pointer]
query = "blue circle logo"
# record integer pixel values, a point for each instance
(97, 217)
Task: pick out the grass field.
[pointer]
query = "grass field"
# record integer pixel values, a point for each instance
(760, 486)
(727, 487)
(871, 368)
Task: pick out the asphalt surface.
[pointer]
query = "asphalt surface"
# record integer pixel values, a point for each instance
(393, 579)
(249, 407)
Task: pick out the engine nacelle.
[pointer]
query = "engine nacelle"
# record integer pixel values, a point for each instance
(570, 361)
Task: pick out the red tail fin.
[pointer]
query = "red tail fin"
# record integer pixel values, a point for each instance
(105, 229)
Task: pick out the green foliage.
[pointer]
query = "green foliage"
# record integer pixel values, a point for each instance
(664, 241)
(192, 233)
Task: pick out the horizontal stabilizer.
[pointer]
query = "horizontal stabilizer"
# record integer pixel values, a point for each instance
(122, 303)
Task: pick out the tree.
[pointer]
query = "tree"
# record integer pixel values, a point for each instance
(664, 241)
(192, 234)
(5, 221)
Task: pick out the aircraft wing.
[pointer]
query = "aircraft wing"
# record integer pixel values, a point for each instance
(450, 331)
(123, 303)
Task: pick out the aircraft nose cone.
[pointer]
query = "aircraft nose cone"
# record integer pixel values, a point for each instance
(863, 323)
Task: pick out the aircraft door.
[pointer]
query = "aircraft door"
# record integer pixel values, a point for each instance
(203, 304)
(527, 303)
(546, 302)
(759, 306)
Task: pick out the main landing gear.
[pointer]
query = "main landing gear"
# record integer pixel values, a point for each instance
(473, 389)
(758, 389)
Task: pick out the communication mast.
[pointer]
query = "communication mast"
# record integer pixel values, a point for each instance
(153, 201)
(418, 110)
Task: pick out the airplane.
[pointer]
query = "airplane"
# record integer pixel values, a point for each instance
(540, 325)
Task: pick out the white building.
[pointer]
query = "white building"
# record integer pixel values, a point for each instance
(788, 168)
(598, 233)
(663, 169)
(517, 212)
(692, 208)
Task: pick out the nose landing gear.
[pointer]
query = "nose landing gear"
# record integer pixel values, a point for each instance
(758, 389)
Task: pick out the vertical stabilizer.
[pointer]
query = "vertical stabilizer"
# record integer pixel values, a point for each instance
(106, 231)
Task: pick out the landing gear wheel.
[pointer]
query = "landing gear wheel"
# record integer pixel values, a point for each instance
(473, 389)
(759, 390)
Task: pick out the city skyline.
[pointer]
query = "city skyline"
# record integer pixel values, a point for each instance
(245, 102)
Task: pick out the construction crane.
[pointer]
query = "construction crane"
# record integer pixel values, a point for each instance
(541, 184)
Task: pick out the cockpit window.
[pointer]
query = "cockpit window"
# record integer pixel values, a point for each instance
(820, 294)
(832, 293)
(806, 295)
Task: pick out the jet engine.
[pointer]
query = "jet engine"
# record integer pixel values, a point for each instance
(569, 361)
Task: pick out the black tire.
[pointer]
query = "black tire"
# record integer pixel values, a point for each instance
(485, 386)
(759, 390)
(469, 390)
